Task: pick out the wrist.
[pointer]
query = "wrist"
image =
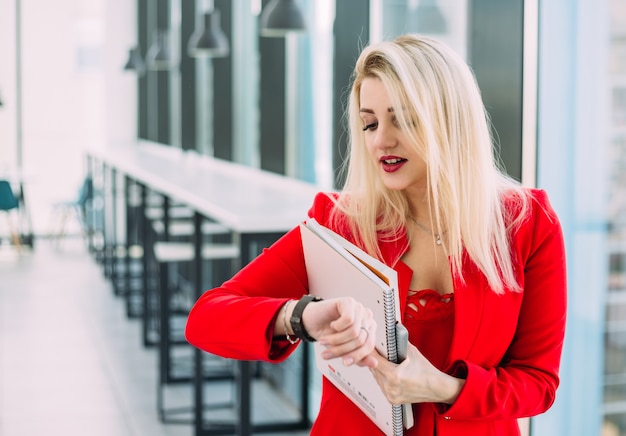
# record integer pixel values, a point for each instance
(295, 320)
(448, 388)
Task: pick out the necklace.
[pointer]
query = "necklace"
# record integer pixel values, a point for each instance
(438, 240)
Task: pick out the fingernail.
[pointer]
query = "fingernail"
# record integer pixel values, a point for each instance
(348, 361)
(327, 355)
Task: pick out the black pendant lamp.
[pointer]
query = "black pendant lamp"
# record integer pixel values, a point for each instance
(430, 19)
(158, 57)
(280, 17)
(135, 62)
(209, 40)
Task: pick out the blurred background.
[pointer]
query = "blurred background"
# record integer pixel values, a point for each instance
(78, 74)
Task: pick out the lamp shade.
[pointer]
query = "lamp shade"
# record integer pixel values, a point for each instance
(280, 17)
(209, 40)
(135, 62)
(430, 19)
(158, 56)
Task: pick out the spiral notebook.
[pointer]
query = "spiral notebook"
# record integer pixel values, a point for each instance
(336, 267)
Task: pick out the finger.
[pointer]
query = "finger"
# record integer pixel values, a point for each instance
(369, 361)
(355, 350)
(352, 337)
(349, 316)
(344, 337)
(381, 361)
(382, 366)
(342, 344)
(350, 322)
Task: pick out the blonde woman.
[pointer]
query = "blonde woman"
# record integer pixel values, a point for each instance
(480, 261)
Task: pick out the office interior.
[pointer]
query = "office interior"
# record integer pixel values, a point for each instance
(88, 93)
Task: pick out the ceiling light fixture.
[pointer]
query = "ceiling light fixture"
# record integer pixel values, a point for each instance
(280, 17)
(135, 61)
(209, 40)
(158, 57)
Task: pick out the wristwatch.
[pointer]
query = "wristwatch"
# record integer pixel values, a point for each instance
(296, 317)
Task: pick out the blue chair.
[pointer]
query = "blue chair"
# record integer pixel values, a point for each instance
(9, 202)
(78, 207)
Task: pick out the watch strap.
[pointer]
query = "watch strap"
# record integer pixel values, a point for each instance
(296, 317)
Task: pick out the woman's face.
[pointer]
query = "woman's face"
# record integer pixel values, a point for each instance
(399, 165)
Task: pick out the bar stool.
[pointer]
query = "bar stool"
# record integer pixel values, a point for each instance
(176, 230)
(174, 300)
(149, 211)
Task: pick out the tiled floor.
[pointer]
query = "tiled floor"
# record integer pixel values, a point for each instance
(71, 362)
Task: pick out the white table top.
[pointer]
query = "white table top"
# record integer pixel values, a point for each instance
(247, 200)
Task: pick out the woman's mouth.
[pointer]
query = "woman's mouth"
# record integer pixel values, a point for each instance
(392, 163)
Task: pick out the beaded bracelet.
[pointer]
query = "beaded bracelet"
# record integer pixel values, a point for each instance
(289, 338)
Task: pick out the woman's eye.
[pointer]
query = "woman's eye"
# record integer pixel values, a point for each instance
(371, 126)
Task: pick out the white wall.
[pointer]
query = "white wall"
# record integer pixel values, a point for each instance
(74, 92)
(121, 86)
(7, 83)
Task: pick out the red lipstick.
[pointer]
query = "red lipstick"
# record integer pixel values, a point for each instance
(391, 164)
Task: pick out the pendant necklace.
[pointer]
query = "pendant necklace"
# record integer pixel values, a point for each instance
(426, 229)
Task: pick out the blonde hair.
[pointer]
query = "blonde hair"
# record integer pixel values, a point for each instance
(444, 118)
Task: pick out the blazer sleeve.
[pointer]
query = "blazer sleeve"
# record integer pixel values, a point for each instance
(236, 320)
(525, 381)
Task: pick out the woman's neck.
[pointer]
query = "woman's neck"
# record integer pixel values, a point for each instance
(421, 207)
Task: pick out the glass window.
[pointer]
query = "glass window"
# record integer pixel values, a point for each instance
(446, 20)
(583, 161)
(309, 95)
(615, 333)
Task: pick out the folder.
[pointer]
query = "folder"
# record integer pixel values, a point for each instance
(338, 268)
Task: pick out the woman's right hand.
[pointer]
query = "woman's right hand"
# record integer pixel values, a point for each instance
(345, 328)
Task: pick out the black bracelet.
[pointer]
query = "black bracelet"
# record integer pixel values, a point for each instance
(296, 318)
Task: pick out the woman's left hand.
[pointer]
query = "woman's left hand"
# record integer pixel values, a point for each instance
(415, 380)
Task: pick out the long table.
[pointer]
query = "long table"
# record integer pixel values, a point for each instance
(257, 205)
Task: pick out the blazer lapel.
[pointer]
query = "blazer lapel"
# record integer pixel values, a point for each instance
(469, 297)
(469, 301)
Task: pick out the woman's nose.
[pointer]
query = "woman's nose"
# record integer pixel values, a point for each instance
(386, 136)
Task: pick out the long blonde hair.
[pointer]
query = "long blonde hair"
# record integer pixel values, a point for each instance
(444, 118)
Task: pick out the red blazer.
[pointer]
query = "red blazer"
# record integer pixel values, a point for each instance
(507, 347)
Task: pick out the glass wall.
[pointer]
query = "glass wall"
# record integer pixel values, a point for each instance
(264, 104)
(574, 166)
(614, 411)
(447, 20)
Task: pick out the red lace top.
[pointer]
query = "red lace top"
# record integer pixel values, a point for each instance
(429, 318)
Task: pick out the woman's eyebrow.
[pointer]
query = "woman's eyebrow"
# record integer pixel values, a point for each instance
(369, 111)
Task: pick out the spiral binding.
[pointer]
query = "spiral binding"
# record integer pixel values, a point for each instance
(390, 326)
(392, 354)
